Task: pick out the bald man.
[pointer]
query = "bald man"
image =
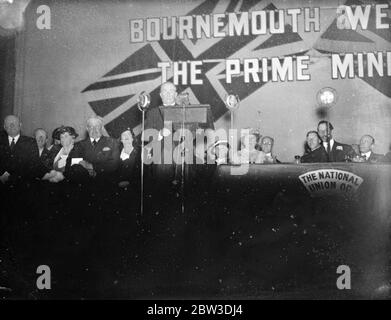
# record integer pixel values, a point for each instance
(19, 159)
(366, 145)
(100, 154)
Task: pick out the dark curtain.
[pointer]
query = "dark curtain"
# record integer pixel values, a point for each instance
(7, 75)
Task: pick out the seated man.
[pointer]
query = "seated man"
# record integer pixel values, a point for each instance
(18, 154)
(266, 145)
(336, 152)
(41, 138)
(317, 153)
(365, 151)
(100, 154)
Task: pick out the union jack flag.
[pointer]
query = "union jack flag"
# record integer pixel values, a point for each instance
(371, 39)
(114, 95)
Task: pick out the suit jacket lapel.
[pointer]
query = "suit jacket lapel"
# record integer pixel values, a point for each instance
(333, 151)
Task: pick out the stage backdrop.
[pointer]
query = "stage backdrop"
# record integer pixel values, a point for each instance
(98, 56)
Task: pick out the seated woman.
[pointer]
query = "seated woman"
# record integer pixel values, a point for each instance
(62, 155)
(248, 152)
(129, 170)
(218, 153)
(316, 152)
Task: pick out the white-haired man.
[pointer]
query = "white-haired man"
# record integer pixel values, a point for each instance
(366, 154)
(100, 154)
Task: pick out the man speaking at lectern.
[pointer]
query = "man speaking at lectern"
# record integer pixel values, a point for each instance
(155, 119)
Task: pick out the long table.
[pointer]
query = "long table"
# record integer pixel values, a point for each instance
(264, 233)
(338, 225)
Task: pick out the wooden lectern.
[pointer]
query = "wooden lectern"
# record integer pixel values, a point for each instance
(189, 117)
(193, 116)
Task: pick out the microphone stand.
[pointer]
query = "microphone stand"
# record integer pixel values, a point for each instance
(142, 165)
(143, 103)
(328, 140)
(183, 159)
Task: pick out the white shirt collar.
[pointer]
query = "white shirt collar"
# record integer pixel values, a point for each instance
(92, 139)
(367, 154)
(331, 144)
(16, 138)
(125, 155)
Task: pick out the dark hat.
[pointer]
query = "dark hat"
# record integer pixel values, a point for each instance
(56, 133)
(70, 130)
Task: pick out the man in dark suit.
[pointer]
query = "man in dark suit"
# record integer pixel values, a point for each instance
(41, 138)
(155, 120)
(18, 154)
(365, 147)
(317, 153)
(155, 117)
(165, 154)
(336, 152)
(101, 155)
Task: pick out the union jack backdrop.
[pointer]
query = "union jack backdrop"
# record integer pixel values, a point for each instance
(86, 65)
(114, 96)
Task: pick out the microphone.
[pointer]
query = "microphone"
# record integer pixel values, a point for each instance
(144, 100)
(232, 101)
(182, 98)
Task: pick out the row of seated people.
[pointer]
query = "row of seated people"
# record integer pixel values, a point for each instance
(108, 159)
(103, 158)
(320, 144)
(320, 147)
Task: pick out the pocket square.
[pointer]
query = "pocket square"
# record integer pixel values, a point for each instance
(106, 149)
(339, 148)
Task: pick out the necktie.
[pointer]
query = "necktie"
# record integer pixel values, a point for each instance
(12, 145)
(94, 143)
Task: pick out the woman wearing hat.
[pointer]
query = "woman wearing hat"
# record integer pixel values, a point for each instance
(61, 155)
(129, 170)
(56, 137)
